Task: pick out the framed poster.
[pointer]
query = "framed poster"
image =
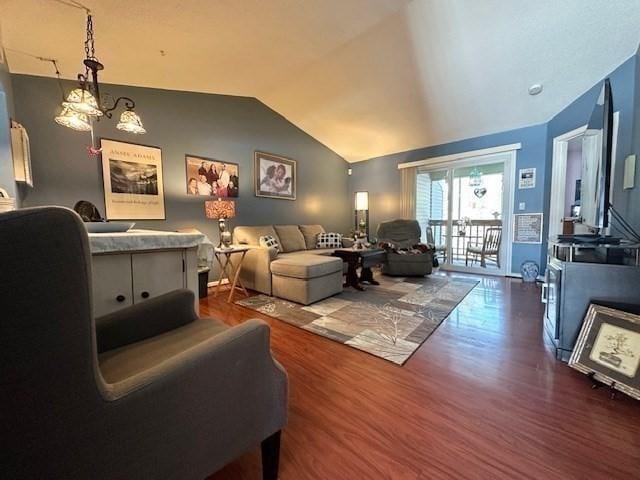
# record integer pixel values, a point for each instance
(526, 178)
(274, 176)
(132, 177)
(527, 228)
(608, 348)
(211, 178)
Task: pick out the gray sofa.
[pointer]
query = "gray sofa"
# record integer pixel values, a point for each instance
(301, 272)
(150, 391)
(404, 234)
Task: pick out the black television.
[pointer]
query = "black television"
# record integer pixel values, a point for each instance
(595, 185)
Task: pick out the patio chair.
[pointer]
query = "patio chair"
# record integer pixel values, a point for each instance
(490, 247)
(439, 248)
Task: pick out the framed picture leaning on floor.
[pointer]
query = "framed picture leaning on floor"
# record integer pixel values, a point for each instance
(608, 348)
(132, 179)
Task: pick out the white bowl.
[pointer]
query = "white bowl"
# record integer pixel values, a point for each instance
(108, 227)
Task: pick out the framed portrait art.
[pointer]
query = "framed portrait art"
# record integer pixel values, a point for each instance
(132, 178)
(274, 176)
(211, 178)
(608, 348)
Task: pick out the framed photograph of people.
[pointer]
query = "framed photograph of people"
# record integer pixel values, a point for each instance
(132, 178)
(211, 178)
(608, 349)
(275, 176)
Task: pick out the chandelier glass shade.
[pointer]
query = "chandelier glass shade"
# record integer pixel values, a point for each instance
(130, 122)
(82, 101)
(74, 120)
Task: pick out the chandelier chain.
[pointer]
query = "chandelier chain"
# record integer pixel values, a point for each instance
(89, 45)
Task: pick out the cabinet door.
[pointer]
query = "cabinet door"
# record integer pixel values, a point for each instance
(156, 273)
(112, 287)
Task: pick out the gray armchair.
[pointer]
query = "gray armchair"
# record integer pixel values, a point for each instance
(159, 393)
(404, 234)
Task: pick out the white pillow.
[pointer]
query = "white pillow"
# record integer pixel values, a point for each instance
(269, 241)
(329, 240)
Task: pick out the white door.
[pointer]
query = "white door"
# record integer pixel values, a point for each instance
(467, 205)
(157, 273)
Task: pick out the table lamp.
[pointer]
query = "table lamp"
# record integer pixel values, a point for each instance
(362, 207)
(221, 210)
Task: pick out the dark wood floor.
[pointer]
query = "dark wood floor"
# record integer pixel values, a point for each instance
(483, 397)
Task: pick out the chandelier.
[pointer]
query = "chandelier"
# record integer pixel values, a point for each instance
(84, 104)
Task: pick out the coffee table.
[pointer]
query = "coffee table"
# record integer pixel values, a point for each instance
(365, 259)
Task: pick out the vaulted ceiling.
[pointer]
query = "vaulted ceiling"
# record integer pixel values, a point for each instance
(365, 77)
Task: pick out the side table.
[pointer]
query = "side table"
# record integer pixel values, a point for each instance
(226, 257)
(365, 258)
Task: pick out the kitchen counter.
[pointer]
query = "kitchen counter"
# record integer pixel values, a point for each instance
(142, 240)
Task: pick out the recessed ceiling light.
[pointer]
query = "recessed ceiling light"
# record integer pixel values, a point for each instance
(535, 89)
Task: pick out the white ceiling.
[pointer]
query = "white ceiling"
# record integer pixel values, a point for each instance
(365, 77)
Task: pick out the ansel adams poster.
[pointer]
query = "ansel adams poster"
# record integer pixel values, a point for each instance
(132, 176)
(275, 176)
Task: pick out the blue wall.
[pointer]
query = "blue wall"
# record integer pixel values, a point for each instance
(624, 82)
(223, 127)
(381, 178)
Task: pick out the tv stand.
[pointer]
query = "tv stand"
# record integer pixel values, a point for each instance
(596, 239)
(595, 249)
(578, 274)
(589, 238)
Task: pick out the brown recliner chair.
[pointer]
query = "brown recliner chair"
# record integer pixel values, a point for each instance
(404, 234)
(157, 393)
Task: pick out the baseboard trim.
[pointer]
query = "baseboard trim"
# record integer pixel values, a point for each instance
(540, 278)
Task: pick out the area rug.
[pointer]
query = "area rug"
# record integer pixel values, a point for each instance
(389, 321)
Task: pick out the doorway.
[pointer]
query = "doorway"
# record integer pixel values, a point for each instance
(566, 178)
(463, 208)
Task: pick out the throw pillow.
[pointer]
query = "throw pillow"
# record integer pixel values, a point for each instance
(310, 233)
(290, 238)
(268, 241)
(329, 240)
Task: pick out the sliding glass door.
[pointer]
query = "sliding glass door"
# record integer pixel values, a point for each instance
(462, 210)
(432, 208)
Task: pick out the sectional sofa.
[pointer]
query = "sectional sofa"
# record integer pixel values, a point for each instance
(300, 272)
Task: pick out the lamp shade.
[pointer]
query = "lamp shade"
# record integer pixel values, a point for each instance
(74, 120)
(220, 209)
(130, 122)
(82, 101)
(362, 200)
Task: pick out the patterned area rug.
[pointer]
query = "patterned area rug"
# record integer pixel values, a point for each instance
(389, 321)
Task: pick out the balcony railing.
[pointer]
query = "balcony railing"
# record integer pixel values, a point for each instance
(472, 232)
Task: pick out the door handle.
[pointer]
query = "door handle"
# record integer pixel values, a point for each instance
(144, 294)
(121, 298)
